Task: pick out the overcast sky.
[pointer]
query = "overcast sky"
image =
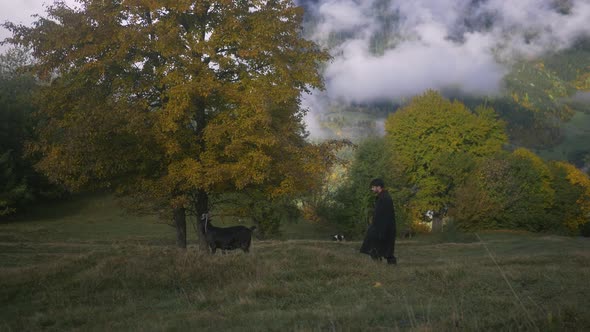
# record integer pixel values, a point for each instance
(20, 11)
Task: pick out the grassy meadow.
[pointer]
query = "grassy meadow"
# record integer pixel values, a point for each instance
(85, 265)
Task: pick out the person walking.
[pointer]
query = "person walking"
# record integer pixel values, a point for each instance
(380, 238)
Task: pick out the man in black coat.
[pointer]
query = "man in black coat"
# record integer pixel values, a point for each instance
(380, 239)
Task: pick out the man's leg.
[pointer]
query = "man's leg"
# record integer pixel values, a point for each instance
(375, 255)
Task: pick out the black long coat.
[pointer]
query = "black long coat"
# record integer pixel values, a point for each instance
(380, 239)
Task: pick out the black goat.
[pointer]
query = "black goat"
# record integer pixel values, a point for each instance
(226, 238)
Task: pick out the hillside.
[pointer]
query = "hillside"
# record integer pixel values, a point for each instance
(480, 52)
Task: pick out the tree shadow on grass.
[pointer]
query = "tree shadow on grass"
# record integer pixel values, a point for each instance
(54, 209)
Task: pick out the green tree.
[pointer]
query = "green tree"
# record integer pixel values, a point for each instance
(507, 190)
(432, 141)
(352, 203)
(173, 101)
(571, 208)
(20, 184)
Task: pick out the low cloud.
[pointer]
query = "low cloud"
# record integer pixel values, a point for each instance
(464, 45)
(412, 67)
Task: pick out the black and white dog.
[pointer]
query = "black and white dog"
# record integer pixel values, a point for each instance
(226, 238)
(338, 237)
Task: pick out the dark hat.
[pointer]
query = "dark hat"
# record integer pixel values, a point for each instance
(377, 183)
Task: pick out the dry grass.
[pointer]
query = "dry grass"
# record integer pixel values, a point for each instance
(297, 285)
(139, 282)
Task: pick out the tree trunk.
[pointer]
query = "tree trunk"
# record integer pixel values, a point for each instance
(180, 222)
(201, 205)
(437, 224)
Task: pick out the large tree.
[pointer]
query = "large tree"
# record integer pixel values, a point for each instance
(507, 190)
(172, 101)
(432, 143)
